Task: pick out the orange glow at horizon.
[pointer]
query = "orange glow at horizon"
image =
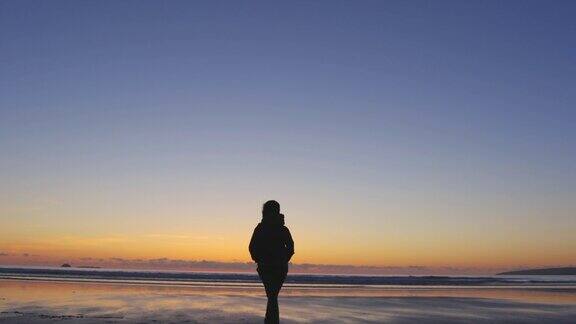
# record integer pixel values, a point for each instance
(390, 234)
(234, 249)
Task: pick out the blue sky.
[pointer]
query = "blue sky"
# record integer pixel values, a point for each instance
(360, 117)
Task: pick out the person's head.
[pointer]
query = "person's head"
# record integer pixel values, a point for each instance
(270, 209)
(271, 213)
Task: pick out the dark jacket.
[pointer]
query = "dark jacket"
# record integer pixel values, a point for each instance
(271, 243)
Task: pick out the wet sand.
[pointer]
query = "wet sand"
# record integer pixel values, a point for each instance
(33, 301)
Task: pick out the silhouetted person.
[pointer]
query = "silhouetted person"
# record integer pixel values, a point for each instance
(272, 247)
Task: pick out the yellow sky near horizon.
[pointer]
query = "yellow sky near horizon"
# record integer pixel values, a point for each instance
(480, 249)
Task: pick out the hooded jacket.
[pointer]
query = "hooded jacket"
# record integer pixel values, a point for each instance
(271, 242)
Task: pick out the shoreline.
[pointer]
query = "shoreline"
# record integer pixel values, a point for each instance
(208, 284)
(39, 301)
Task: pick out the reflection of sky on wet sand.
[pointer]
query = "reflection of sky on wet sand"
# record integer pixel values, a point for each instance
(40, 301)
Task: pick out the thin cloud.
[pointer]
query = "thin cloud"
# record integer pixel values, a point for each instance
(207, 265)
(248, 266)
(183, 237)
(168, 236)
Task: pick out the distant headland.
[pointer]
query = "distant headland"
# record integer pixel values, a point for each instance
(566, 271)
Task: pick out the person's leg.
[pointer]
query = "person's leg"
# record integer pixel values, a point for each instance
(279, 277)
(272, 277)
(276, 282)
(268, 279)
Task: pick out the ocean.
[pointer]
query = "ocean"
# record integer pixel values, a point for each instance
(294, 280)
(39, 295)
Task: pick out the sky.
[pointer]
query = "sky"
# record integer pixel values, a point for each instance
(395, 134)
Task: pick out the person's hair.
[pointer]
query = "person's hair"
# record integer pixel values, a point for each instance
(270, 208)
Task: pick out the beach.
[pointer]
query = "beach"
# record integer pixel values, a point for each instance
(50, 300)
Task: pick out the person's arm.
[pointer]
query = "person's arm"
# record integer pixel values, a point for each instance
(254, 245)
(289, 245)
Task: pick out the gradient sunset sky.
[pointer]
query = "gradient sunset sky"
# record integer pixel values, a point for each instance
(393, 133)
